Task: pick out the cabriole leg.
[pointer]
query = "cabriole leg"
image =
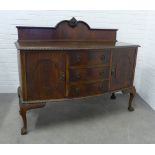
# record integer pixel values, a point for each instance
(23, 115)
(24, 107)
(132, 92)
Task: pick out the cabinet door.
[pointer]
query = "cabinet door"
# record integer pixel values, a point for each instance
(122, 69)
(45, 74)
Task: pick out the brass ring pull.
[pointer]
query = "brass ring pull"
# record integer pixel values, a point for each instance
(78, 58)
(113, 71)
(101, 73)
(102, 57)
(78, 76)
(62, 76)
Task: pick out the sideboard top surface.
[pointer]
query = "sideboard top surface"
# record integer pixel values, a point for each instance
(69, 45)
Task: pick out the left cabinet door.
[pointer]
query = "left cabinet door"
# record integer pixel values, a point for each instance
(45, 75)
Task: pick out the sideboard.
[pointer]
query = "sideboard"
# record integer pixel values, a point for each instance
(71, 60)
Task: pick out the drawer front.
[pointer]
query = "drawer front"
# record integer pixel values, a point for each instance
(88, 89)
(85, 74)
(89, 57)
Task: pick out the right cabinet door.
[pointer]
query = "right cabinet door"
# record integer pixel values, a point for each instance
(122, 67)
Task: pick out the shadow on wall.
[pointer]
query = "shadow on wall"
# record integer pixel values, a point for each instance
(146, 93)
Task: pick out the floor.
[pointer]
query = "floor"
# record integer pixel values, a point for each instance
(92, 120)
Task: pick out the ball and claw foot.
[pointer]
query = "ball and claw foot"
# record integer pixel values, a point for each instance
(113, 97)
(130, 108)
(23, 131)
(24, 107)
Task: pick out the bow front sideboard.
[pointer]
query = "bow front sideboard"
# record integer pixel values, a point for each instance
(70, 61)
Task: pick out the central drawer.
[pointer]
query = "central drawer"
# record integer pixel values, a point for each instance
(86, 74)
(88, 89)
(77, 58)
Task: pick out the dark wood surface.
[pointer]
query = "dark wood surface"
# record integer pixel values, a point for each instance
(85, 57)
(123, 63)
(72, 61)
(66, 30)
(45, 75)
(86, 74)
(70, 45)
(87, 89)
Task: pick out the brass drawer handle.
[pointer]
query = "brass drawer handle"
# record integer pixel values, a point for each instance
(101, 73)
(78, 58)
(78, 76)
(62, 76)
(113, 71)
(102, 57)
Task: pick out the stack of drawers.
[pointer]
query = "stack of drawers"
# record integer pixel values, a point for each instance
(88, 72)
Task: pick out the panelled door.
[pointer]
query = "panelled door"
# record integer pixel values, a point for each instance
(45, 75)
(122, 69)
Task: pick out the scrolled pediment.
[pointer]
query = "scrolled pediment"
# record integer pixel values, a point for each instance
(73, 22)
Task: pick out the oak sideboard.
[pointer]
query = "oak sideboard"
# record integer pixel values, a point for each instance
(71, 60)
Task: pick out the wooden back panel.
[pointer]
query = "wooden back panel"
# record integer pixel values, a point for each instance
(66, 30)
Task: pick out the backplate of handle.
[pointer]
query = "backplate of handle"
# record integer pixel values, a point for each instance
(102, 57)
(78, 58)
(62, 76)
(101, 73)
(78, 76)
(113, 70)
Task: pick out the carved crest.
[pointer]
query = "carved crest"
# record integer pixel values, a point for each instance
(73, 22)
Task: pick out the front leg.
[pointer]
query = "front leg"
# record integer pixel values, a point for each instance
(132, 95)
(24, 107)
(22, 112)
